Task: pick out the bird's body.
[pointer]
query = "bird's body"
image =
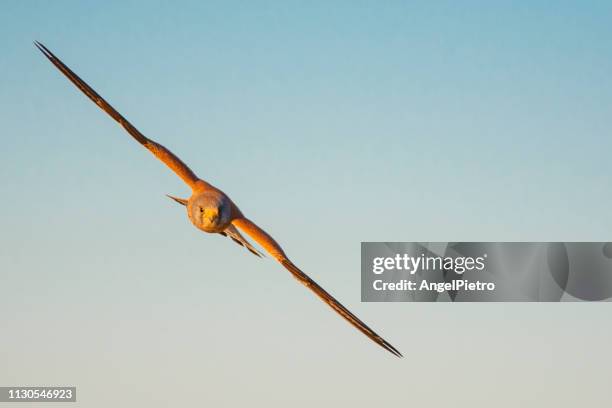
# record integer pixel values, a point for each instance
(211, 210)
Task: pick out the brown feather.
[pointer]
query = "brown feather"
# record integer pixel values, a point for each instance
(163, 154)
(274, 249)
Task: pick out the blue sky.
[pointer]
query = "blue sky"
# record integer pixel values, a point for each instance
(329, 123)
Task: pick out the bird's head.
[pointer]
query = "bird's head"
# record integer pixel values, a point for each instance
(209, 211)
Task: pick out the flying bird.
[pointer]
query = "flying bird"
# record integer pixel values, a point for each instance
(211, 210)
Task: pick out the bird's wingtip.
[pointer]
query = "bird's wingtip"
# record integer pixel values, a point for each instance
(398, 353)
(42, 49)
(387, 346)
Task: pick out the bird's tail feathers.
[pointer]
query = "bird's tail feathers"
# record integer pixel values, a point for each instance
(178, 200)
(236, 236)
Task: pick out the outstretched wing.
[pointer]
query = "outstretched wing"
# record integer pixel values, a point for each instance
(268, 243)
(236, 236)
(163, 154)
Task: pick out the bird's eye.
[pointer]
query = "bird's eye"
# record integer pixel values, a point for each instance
(201, 209)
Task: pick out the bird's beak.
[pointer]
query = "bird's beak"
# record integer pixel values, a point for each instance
(211, 214)
(178, 200)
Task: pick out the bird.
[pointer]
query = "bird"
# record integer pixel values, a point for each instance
(211, 210)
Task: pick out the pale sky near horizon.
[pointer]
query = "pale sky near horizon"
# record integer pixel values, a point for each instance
(329, 123)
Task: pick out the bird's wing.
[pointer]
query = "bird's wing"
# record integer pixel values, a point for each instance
(158, 150)
(236, 236)
(268, 243)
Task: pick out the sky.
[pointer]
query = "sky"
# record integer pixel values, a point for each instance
(329, 123)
